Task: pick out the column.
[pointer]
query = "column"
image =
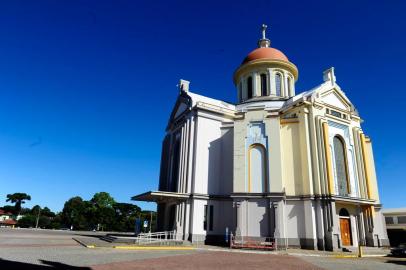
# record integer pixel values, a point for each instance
(237, 206)
(255, 87)
(279, 234)
(285, 84)
(272, 85)
(191, 154)
(319, 225)
(309, 219)
(361, 232)
(269, 76)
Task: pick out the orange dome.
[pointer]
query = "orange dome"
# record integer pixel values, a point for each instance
(265, 53)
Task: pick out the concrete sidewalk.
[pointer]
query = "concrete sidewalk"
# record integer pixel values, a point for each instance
(95, 242)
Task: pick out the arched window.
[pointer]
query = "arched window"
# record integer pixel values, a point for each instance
(264, 88)
(343, 213)
(257, 168)
(278, 84)
(341, 166)
(249, 87)
(289, 86)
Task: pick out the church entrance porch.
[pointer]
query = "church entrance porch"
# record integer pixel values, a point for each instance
(350, 228)
(169, 206)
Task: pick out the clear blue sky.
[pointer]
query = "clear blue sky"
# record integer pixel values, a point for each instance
(86, 87)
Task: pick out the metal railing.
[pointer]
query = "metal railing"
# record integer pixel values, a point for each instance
(267, 243)
(159, 237)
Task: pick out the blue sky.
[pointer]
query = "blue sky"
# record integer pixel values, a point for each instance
(86, 87)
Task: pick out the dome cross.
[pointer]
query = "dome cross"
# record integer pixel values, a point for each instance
(264, 27)
(264, 42)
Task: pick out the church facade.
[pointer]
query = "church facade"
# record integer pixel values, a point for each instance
(294, 167)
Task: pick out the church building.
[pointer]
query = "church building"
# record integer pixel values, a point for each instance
(297, 168)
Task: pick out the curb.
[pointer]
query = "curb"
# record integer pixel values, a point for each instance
(84, 244)
(152, 248)
(338, 256)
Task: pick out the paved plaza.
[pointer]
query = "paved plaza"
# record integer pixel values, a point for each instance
(45, 249)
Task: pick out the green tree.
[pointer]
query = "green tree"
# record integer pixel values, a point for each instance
(46, 212)
(125, 215)
(27, 221)
(56, 222)
(103, 199)
(75, 213)
(35, 210)
(102, 212)
(18, 199)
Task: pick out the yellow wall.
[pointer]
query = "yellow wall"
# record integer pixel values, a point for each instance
(291, 159)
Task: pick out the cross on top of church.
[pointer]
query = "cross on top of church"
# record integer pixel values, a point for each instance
(264, 42)
(264, 27)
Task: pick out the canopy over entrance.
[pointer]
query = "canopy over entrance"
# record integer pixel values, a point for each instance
(160, 196)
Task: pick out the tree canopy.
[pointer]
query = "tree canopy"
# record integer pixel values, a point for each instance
(18, 199)
(101, 212)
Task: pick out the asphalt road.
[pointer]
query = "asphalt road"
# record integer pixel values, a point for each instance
(44, 249)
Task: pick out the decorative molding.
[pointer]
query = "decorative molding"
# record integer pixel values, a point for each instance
(289, 121)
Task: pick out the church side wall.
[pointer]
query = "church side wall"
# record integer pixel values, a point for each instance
(294, 222)
(227, 146)
(213, 176)
(223, 219)
(208, 156)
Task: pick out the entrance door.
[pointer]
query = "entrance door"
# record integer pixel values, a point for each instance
(345, 231)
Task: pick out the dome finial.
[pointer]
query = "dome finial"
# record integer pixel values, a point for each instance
(264, 42)
(264, 26)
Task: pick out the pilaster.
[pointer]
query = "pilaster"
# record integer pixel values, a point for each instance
(366, 168)
(329, 161)
(305, 149)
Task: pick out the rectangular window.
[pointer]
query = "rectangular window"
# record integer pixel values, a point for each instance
(205, 218)
(211, 218)
(389, 220)
(335, 113)
(401, 219)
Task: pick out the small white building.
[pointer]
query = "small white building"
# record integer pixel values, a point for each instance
(395, 219)
(294, 167)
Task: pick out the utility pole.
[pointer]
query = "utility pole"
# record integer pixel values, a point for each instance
(39, 211)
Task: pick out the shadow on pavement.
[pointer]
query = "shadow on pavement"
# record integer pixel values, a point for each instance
(49, 265)
(399, 262)
(91, 235)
